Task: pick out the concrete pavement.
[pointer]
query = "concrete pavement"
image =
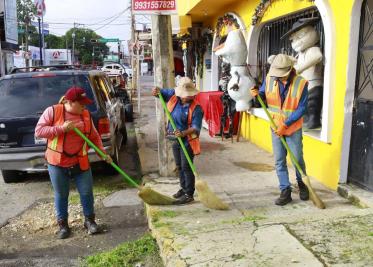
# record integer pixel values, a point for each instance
(254, 232)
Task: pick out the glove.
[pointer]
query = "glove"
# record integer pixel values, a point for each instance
(254, 91)
(281, 129)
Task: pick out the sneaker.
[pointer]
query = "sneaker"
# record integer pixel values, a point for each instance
(91, 225)
(284, 198)
(64, 231)
(179, 194)
(184, 199)
(303, 191)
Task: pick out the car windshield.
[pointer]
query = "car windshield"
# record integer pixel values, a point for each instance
(30, 96)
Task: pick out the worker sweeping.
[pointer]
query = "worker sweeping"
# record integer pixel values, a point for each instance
(286, 95)
(67, 156)
(187, 115)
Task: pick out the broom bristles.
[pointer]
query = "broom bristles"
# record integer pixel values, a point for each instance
(313, 196)
(209, 198)
(152, 197)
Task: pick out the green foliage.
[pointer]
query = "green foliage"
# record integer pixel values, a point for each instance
(25, 8)
(84, 47)
(143, 250)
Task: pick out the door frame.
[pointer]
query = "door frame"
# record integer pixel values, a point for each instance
(350, 89)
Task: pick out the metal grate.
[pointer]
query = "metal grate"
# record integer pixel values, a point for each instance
(269, 38)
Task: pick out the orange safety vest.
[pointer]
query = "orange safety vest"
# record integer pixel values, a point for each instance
(193, 139)
(56, 144)
(281, 113)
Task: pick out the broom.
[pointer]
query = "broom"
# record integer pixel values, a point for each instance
(147, 194)
(313, 196)
(206, 196)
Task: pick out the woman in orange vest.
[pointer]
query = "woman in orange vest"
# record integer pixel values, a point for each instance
(67, 155)
(187, 114)
(286, 96)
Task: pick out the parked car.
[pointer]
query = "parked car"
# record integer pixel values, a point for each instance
(119, 84)
(116, 68)
(25, 95)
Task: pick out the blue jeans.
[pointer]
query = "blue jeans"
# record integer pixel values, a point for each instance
(186, 175)
(60, 178)
(296, 146)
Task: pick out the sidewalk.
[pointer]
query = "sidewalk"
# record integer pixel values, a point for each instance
(254, 232)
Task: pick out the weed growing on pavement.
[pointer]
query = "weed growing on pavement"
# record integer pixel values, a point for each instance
(253, 218)
(237, 256)
(142, 252)
(157, 214)
(370, 234)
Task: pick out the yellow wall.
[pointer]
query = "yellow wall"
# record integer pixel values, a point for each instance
(322, 159)
(183, 6)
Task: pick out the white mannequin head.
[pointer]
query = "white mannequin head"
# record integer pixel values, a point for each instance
(304, 38)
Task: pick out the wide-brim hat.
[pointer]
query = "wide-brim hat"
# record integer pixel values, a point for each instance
(281, 65)
(185, 88)
(300, 24)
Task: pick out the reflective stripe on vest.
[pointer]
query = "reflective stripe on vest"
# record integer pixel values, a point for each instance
(193, 139)
(281, 113)
(55, 145)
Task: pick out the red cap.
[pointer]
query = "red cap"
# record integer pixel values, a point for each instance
(77, 94)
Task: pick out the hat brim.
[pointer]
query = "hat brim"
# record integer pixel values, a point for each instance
(277, 72)
(85, 101)
(311, 21)
(182, 93)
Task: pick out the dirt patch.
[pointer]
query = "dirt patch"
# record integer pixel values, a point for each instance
(255, 167)
(33, 234)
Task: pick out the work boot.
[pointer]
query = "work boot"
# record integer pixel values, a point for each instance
(64, 231)
(91, 225)
(303, 191)
(184, 199)
(284, 198)
(179, 194)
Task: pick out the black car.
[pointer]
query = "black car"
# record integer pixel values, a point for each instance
(23, 98)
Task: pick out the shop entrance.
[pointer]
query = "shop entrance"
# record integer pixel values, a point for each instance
(360, 169)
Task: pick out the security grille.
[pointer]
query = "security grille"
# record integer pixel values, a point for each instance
(270, 43)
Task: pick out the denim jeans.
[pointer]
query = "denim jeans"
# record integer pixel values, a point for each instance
(296, 146)
(60, 178)
(186, 175)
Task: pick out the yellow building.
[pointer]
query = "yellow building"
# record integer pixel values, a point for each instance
(342, 150)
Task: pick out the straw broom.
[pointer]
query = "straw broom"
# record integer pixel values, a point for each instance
(147, 194)
(313, 196)
(206, 196)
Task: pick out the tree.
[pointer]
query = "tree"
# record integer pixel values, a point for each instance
(26, 12)
(84, 46)
(54, 41)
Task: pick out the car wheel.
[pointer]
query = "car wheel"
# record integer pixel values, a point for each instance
(129, 112)
(11, 176)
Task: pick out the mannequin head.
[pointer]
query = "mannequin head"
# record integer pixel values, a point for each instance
(304, 38)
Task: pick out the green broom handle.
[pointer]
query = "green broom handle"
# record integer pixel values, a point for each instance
(179, 138)
(273, 125)
(103, 155)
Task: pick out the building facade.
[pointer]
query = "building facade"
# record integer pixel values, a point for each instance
(339, 151)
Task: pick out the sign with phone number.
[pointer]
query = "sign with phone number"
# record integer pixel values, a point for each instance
(154, 7)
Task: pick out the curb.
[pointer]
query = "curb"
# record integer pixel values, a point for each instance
(357, 196)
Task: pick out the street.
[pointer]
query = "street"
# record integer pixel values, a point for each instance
(28, 221)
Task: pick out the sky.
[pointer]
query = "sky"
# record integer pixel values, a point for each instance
(94, 14)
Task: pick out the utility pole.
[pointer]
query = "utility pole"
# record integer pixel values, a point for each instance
(73, 52)
(27, 22)
(133, 56)
(164, 77)
(40, 42)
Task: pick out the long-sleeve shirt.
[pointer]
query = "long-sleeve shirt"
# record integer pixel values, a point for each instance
(302, 106)
(180, 114)
(73, 142)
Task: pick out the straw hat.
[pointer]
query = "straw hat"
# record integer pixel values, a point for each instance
(185, 88)
(281, 65)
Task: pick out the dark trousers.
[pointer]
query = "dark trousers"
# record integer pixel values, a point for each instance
(185, 172)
